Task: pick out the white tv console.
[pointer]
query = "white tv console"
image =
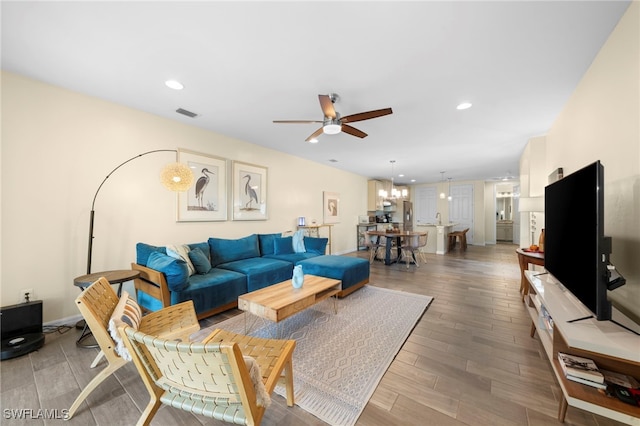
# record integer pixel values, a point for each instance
(608, 344)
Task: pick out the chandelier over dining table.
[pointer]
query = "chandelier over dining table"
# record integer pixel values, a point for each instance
(395, 193)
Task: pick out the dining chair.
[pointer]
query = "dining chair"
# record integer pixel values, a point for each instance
(228, 377)
(410, 245)
(98, 303)
(422, 243)
(374, 243)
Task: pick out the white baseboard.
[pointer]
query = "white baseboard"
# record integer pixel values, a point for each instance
(69, 321)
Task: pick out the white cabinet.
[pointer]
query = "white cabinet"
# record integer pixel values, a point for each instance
(504, 231)
(374, 200)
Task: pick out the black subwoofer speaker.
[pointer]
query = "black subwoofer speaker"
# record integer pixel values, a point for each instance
(21, 329)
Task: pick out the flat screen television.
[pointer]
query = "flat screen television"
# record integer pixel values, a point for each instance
(576, 251)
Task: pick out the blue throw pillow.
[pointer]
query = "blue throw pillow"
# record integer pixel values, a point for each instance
(283, 245)
(200, 261)
(316, 245)
(144, 250)
(266, 243)
(175, 270)
(224, 251)
(298, 241)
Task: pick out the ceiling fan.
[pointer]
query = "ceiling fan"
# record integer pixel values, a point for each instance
(333, 123)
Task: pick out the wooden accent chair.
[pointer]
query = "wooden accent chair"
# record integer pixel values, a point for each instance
(454, 236)
(410, 246)
(154, 283)
(97, 304)
(212, 378)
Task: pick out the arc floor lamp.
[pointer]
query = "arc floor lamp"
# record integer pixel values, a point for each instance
(176, 177)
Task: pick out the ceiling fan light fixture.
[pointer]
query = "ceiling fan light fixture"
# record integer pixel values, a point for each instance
(331, 128)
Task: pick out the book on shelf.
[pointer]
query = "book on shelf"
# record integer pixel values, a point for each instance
(545, 318)
(620, 379)
(578, 367)
(586, 382)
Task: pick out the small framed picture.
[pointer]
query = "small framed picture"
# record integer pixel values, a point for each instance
(249, 191)
(206, 199)
(331, 207)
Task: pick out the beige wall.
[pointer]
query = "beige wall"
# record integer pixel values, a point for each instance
(601, 121)
(58, 145)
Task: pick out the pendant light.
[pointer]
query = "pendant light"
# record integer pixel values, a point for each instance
(393, 193)
(442, 194)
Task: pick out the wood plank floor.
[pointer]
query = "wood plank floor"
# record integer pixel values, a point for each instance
(469, 361)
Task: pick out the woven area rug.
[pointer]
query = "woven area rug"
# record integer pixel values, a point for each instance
(340, 358)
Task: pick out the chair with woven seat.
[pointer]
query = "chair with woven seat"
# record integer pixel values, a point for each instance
(228, 377)
(97, 304)
(374, 246)
(458, 235)
(411, 245)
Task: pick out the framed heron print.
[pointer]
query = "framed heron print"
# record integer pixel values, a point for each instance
(331, 207)
(206, 199)
(249, 192)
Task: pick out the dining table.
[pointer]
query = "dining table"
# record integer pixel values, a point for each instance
(390, 237)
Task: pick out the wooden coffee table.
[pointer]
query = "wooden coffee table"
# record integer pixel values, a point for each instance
(280, 301)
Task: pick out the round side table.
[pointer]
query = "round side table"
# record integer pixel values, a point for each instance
(114, 277)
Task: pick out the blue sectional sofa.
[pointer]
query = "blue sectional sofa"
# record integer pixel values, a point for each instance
(214, 273)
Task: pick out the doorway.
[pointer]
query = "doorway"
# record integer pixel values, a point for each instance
(461, 208)
(507, 228)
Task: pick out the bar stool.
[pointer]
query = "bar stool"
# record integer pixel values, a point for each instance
(454, 236)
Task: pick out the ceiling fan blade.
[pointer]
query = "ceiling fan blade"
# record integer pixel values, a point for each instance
(314, 134)
(297, 121)
(366, 115)
(327, 106)
(353, 131)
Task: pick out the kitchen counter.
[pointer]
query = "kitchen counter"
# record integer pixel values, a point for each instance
(437, 239)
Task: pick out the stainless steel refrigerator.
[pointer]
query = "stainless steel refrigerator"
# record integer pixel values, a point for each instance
(407, 215)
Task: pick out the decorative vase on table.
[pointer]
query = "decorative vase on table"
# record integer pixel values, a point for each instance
(541, 241)
(298, 277)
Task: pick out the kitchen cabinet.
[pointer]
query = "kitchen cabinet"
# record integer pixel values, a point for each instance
(437, 240)
(374, 200)
(504, 231)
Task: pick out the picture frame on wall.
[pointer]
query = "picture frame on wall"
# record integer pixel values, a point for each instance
(249, 192)
(206, 199)
(331, 207)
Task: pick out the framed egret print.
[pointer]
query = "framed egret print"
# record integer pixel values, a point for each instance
(206, 199)
(331, 207)
(249, 192)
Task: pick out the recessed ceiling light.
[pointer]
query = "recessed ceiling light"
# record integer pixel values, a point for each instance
(400, 175)
(173, 84)
(464, 105)
(313, 140)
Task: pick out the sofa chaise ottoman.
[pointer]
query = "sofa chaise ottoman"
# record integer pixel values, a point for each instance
(352, 271)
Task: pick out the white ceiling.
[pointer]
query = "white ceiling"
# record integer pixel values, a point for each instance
(244, 64)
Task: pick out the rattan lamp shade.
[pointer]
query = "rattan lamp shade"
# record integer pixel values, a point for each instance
(176, 177)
